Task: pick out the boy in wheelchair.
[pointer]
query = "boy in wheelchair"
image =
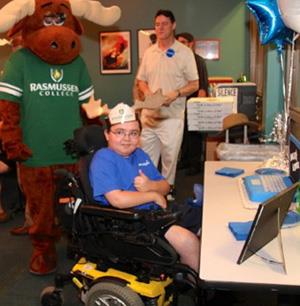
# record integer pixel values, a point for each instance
(124, 176)
(115, 218)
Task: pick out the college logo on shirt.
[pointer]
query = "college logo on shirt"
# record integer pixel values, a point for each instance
(55, 88)
(144, 164)
(56, 74)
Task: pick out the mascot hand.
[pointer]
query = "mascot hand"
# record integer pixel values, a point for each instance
(94, 108)
(17, 151)
(11, 133)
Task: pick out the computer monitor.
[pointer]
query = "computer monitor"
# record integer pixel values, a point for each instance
(267, 222)
(246, 97)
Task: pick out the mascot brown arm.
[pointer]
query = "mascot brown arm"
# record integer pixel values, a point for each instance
(11, 133)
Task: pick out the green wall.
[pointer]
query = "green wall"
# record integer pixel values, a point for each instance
(274, 99)
(224, 20)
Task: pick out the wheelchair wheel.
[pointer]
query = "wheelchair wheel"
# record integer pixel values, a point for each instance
(111, 294)
(50, 296)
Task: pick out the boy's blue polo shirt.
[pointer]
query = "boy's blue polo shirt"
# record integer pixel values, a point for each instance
(110, 171)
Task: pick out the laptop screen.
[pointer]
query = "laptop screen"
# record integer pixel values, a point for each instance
(294, 158)
(267, 222)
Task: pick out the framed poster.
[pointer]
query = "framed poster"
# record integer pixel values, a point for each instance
(209, 48)
(115, 52)
(146, 38)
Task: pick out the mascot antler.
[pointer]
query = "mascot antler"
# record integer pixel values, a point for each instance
(14, 11)
(93, 11)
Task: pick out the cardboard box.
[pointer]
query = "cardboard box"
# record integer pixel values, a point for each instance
(206, 114)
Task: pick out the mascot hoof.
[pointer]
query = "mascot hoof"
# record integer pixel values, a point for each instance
(42, 263)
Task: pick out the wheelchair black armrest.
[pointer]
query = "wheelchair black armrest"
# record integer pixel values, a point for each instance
(157, 220)
(155, 215)
(98, 210)
(154, 221)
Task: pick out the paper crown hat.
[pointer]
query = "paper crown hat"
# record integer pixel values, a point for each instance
(121, 113)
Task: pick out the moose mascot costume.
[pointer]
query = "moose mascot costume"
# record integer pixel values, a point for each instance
(41, 90)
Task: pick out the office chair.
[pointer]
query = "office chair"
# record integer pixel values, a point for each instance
(238, 129)
(122, 256)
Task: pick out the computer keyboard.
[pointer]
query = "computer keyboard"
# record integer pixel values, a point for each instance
(262, 187)
(273, 183)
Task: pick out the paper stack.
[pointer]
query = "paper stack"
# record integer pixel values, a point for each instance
(206, 114)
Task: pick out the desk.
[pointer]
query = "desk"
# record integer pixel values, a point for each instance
(220, 250)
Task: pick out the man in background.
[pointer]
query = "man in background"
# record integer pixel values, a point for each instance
(191, 149)
(168, 66)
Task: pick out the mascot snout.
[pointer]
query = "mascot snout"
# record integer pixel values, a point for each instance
(62, 45)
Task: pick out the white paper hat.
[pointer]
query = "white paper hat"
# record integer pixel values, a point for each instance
(121, 113)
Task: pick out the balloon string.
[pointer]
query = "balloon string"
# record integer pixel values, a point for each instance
(283, 80)
(291, 70)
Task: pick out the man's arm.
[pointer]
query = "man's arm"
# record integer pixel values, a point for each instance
(189, 88)
(144, 88)
(127, 199)
(184, 91)
(203, 76)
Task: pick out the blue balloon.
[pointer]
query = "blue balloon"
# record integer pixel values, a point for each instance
(271, 26)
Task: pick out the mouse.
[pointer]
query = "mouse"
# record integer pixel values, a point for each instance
(270, 171)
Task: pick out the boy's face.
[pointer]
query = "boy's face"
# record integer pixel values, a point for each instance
(123, 138)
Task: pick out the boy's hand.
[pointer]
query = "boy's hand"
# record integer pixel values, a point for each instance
(160, 200)
(142, 182)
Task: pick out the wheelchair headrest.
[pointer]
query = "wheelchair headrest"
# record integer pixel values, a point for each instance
(87, 140)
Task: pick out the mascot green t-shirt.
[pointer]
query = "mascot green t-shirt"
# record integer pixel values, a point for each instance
(37, 85)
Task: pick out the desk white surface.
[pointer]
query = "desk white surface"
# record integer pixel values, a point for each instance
(220, 250)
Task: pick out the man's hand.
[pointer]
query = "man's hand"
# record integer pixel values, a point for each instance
(142, 182)
(151, 117)
(202, 93)
(94, 109)
(170, 97)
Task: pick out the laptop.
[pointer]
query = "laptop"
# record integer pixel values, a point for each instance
(267, 222)
(258, 188)
(263, 187)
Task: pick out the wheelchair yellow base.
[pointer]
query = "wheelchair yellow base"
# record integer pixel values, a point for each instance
(86, 275)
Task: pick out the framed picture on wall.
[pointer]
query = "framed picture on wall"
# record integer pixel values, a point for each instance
(146, 38)
(209, 48)
(115, 52)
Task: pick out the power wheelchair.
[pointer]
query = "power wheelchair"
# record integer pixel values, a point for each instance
(122, 257)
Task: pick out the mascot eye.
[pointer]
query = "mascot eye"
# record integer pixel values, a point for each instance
(59, 19)
(48, 21)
